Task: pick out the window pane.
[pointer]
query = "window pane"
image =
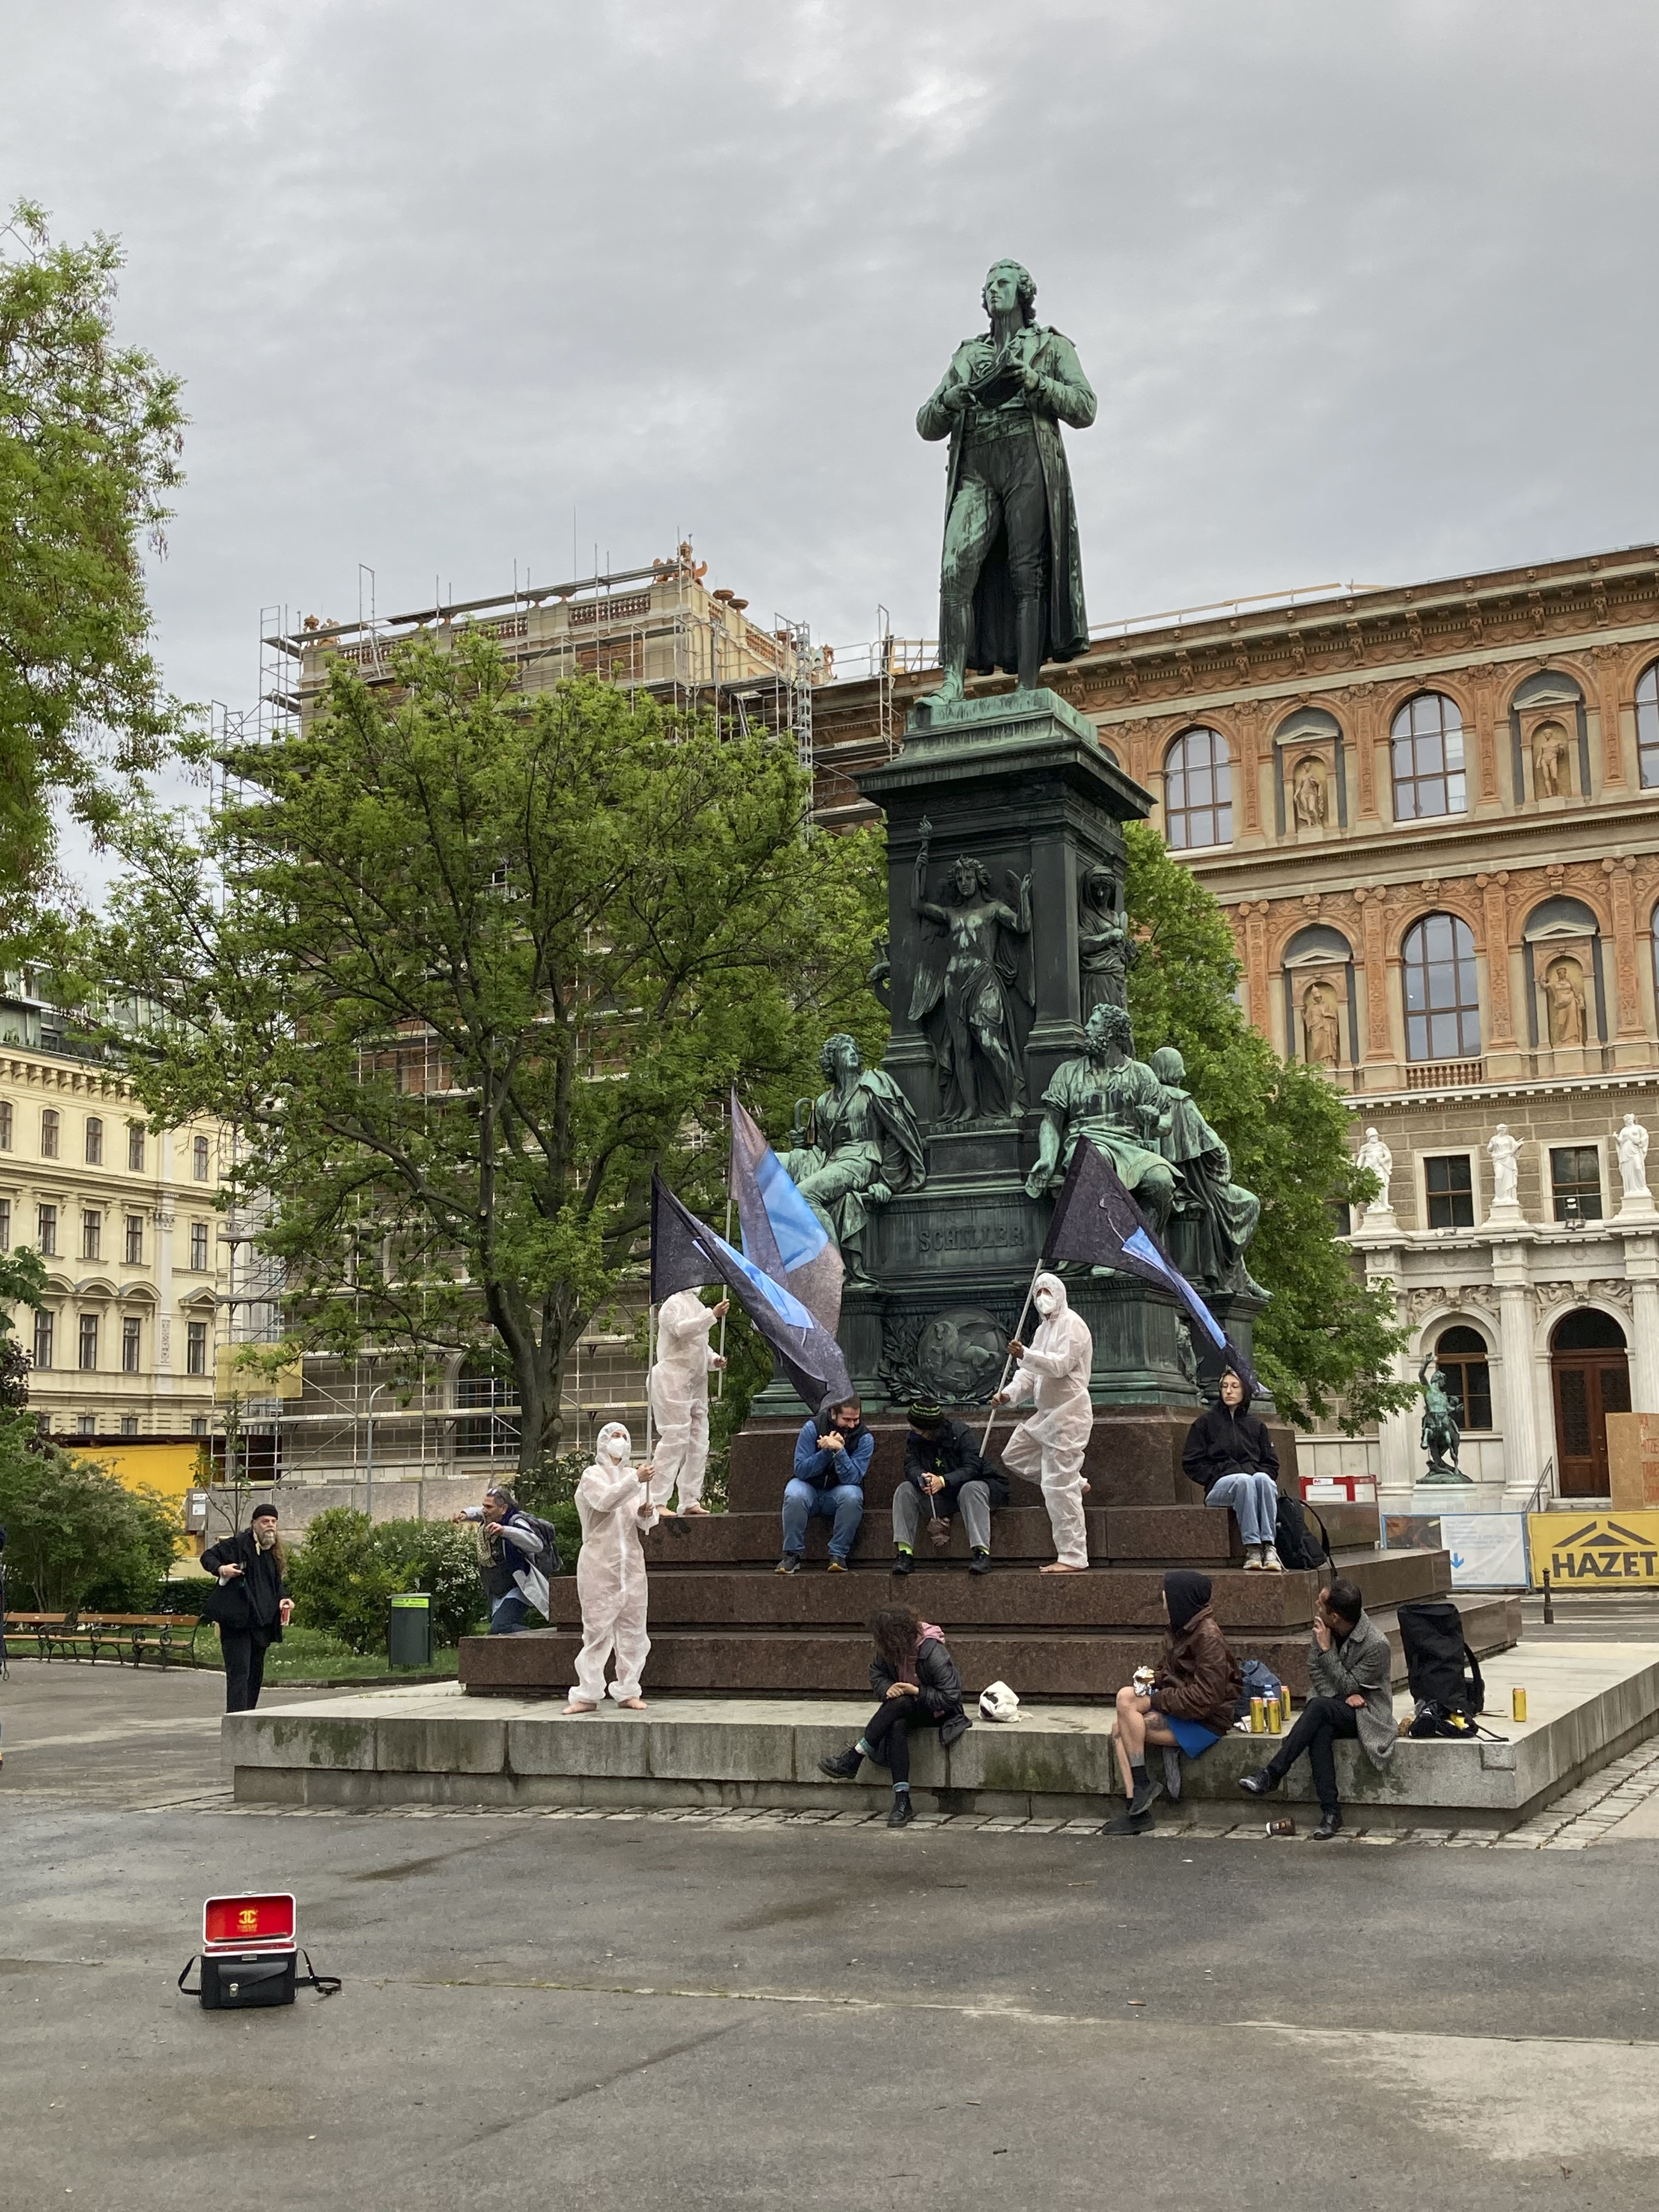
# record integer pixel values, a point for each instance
(88, 1345)
(134, 1145)
(94, 1142)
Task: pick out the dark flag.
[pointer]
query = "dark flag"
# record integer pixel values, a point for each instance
(685, 1255)
(1097, 1222)
(780, 1232)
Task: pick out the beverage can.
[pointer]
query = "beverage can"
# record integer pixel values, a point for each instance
(1517, 1704)
(1285, 1704)
(1275, 1718)
(1282, 1826)
(1258, 1716)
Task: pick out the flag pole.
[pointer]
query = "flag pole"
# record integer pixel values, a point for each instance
(650, 1354)
(1031, 1292)
(730, 1138)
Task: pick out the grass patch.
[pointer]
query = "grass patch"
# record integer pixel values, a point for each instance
(312, 1654)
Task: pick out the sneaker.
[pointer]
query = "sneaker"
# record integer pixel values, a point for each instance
(903, 1564)
(1144, 1797)
(1271, 1560)
(1259, 1784)
(841, 1765)
(1330, 1824)
(788, 1565)
(838, 1566)
(979, 1564)
(901, 1814)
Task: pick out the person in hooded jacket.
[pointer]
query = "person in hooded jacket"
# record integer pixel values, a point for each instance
(252, 1605)
(1054, 1373)
(916, 1677)
(1229, 1451)
(679, 1390)
(1193, 1693)
(613, 1506)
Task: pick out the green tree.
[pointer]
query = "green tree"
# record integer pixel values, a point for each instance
(90, 434)
(1327, 1341)
(463, 966)
(71, 1529)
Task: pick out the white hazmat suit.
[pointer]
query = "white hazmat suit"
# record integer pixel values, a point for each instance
(679, 1388)
(611, 1579)
(1054, 1372)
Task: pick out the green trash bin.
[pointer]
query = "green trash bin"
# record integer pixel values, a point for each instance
(409, 1632)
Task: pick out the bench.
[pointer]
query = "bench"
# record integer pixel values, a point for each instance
(167, 1638)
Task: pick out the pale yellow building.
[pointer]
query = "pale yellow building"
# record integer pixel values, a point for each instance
(124, 1217)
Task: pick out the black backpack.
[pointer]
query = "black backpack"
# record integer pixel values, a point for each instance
(1447, 1686)
(548, 1560)
(1294, 1540)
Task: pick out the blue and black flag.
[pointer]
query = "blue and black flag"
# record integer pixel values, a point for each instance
(780, 1232)
(685, 1255)
(1098, 1222)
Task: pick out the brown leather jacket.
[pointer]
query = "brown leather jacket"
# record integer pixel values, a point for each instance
(1198, 1678)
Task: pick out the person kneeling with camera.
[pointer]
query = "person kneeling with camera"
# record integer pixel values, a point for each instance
(916, 1679)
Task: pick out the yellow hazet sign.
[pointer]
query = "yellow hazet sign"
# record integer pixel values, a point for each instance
(1594, 1551)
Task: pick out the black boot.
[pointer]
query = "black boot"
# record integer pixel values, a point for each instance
(903, 1564)
(1259, 1784)
(1028, 642)
(956, 642)
(979, 1564)
(1330, 1824)
(842, 1765)
(900, 1816)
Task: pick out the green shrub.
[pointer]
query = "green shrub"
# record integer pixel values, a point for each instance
(339, 1583)
(73, 1530)
(437, 1557)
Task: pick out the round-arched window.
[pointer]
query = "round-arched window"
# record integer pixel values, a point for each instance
(1647, 724)
(1443, 999)
(1427, 743)
(1462, 1357)
(1198, 791)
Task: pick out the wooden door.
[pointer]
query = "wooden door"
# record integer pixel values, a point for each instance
(1587, 1387)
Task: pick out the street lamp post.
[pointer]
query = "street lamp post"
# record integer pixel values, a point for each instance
(368, 1458)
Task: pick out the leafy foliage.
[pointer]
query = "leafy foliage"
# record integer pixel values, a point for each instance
(437, 1557)
(71, 1529)
(89, 438)
(343, 1576)
(1327, 1341)
(463, 966)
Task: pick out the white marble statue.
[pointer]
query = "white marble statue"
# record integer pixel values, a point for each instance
(1632, 1142)
(1375, 1155)
(1504, 1150)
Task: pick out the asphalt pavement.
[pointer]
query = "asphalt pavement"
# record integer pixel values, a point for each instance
(615, 2013)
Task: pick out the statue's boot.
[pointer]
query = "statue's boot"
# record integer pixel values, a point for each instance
(1027, 643)
(956, 638)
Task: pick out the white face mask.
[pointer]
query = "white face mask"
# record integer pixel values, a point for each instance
(615, 1447)
(1045, 1302)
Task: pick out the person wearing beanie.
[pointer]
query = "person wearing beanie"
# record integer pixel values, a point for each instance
(944, 1476)
(251, 1608)
(1193, 1693)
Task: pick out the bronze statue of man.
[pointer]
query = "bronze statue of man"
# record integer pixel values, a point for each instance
(1010, 584)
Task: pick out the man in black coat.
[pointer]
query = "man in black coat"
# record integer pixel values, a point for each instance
(944, 1474)
(251, 1605)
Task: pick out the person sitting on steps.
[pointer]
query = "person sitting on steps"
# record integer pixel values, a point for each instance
(1352, 1670)
(944, 1476)
(1230, 1452)
(916, 1677)
(1193, 1695)
(832, 1457)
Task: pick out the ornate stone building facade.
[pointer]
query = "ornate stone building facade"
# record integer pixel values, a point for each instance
(1433, 815)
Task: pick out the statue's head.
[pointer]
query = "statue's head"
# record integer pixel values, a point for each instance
(1100, 888)
(1108, 1026)
(1168, 1065)
(840, 1056)
(1009, 285)
(968, 875)
(1503, 1129)
(1370, 1134)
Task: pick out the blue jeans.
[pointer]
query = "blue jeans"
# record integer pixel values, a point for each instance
(1254, 1499)
(842, 1503)
(508, 1615)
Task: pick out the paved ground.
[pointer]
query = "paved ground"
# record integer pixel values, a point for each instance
(739, 2013)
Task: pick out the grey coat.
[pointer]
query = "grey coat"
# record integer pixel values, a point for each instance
(1360, 1665)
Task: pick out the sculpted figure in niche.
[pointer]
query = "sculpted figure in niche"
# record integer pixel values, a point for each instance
(1321, 1030)
(1104, 945)
(1114, 1102)
(1307, 795)
(1549, 760)
(966, 981)
(862, 1146)
(1441, 1433)
(1504, 1150)
(1632, 1143)
(1213, 1217)
(1564, 993)
(1375, 1155)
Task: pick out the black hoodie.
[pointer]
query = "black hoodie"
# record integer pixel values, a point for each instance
(1228, 1440)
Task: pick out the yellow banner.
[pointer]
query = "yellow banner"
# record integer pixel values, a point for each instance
(1594, 1551)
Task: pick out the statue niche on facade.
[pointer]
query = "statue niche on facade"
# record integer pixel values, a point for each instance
(970, 973)
(1104, 945)
(1213, 1217)
(1110, 1100)
(860, 1150)
(1011, 582)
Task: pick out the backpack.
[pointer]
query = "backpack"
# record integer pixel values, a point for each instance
(1447, 1686)
(547, 1560)
(1260, 1681)
(1292, 1539)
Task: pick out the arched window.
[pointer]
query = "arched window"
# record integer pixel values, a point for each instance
(1647, 725)
(1198, 791)
(1442, 1004)
(1461, 1354)
(1428, 759)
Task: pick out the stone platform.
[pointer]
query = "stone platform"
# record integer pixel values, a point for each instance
(722, 1621)
(1588, 1703)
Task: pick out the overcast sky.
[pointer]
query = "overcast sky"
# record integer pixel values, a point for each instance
(1366, 291)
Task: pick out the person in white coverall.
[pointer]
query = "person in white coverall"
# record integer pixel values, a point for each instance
(614, 1508)
(678, 1388)
(1053, 1371)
